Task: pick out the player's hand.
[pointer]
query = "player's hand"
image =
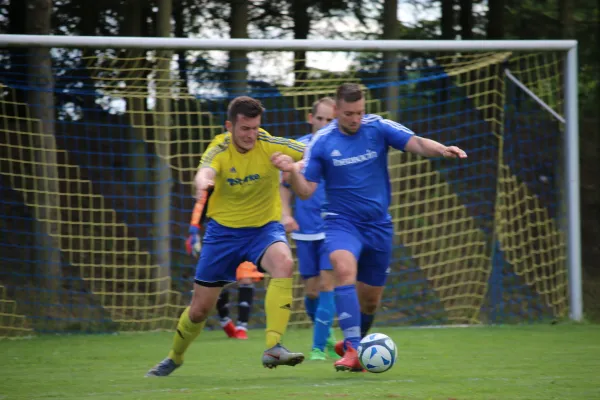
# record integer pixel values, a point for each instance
(283, 162)
(289, 223)
(454, 152)
(193, 244)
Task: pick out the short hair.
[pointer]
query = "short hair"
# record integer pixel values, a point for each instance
(245, 105)
(323, 100)
(349, 92)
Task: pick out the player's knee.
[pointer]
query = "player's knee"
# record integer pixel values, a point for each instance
(345, 275)
(311, 287)
(344, 267)
(199, 310)
(369, 301)
(326, 281)
(283, 266)
(369, 306)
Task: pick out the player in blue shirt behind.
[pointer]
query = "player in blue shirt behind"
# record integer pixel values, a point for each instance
(350, 154)
(309, 234)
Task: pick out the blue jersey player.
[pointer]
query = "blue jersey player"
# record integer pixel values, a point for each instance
(308, 232)
(350, 154)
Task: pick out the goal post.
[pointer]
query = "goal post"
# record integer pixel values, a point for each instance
(495, 239)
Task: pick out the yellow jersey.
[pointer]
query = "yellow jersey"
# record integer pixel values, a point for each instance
(246, 192)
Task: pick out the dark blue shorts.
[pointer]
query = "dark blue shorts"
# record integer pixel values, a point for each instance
(312, 258)
(224, 249)
(369, 242)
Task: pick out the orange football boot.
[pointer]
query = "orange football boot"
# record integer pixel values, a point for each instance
(248, 270)
(349, 362)
(339, 348)
(241, 334)
(229, 329)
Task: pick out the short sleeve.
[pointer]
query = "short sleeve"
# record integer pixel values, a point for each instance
(292, 148)
(210, 158)
(313, 161)
(286, 146)
(396, 135)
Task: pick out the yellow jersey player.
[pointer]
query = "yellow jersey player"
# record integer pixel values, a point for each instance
(244, 211)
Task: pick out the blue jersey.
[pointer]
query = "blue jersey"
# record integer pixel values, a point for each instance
(355, 167)
(308, 212)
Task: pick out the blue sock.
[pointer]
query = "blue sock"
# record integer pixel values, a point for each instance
(323, 319)
(366, 320)
(348, 310)
(311, 307)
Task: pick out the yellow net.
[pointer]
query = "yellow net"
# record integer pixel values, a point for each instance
(477, 241)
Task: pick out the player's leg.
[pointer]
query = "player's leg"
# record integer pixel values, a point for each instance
(191, 322)
(369, 298)
(373, 269)
(308, 267)
(245, 299)
(271, 252)
(223, 311)
(344, 247)
(323, 337)
(216, 268)
(307, 252)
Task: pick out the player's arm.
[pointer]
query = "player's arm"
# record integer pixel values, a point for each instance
(209, 166)
(401, 138)
(305, 174)
(204, 181)
(430, 148)
(287, 217)
(289, 147)
(301, 186)
(203, 184)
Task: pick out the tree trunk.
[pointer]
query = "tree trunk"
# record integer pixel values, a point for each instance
(299, 11)
(161, 168)
(17, 24)
(136, 96)
(448, 33)
(390, 58)
(88, 24)
(47, 190)
(466, 19)
(179, 16)
(238, 62)
(447, 20)
(565, 11)
(495, 18)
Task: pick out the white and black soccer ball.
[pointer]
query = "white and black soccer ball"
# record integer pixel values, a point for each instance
(377, 353)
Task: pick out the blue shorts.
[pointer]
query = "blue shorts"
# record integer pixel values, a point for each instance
(370, 242)
(224, 249)
(312, 258)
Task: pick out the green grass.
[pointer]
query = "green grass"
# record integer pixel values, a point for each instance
(511, 362)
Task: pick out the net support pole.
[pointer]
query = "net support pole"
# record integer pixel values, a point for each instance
(571, 141)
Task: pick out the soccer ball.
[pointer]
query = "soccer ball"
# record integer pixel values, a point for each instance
(377, 352)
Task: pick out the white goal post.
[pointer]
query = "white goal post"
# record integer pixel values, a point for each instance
(570, 113)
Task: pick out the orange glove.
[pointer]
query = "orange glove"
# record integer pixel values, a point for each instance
(248, 270)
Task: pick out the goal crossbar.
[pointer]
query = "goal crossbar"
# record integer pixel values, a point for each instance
(283, 44)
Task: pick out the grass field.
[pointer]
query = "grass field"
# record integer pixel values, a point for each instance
(525, 362)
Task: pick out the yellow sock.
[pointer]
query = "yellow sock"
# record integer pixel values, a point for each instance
(186, 332)
(278, 307)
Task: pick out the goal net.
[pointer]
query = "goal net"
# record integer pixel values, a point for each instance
(96, 167)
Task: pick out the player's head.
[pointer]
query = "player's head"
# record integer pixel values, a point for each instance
(349, 107)
(322, 113)
(243, 120)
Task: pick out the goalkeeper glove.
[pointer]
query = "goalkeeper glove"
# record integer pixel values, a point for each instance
(193, 244)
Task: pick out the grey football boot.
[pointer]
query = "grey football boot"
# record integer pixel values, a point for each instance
(279, 355)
